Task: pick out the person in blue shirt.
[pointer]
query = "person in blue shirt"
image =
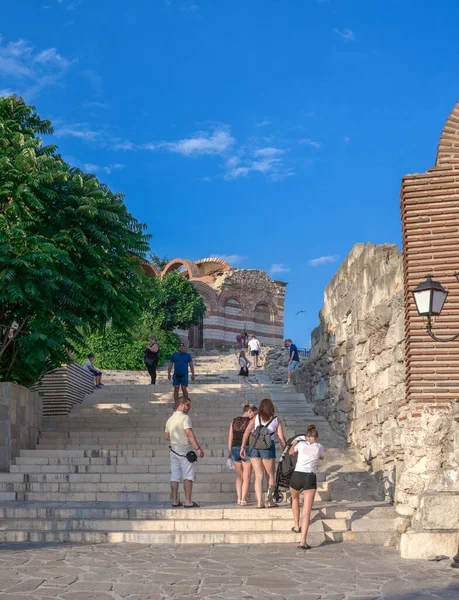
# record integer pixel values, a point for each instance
(293, 358)
(180, 361)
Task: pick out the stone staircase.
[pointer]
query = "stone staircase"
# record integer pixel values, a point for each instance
(101, 474)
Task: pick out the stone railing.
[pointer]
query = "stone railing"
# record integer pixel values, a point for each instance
(20, 421)
(64, 387)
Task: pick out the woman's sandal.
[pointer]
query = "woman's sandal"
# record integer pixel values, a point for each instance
(262, 506)
(307, 547)
(295, 530)
(244, 503)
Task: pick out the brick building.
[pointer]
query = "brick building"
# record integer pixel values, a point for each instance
(237, 300)
(430, 221)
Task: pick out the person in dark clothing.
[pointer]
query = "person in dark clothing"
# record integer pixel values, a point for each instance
(293, 358)
(151, 357)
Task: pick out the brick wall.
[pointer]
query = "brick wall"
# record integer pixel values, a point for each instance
(430, 222)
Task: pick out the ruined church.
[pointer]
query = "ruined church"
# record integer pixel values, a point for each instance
(237, 301)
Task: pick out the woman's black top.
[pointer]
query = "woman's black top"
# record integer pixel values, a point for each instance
(150, 355)
(239, 426)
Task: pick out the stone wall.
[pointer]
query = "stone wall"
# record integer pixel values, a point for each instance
(20, 421)
(355, 373)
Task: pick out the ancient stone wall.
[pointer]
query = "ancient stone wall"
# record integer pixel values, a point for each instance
(355, 373)
(20, 421)
(428, 488)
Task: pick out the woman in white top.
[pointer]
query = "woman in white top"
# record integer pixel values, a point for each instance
(264, 460)
(304, 479)
(244, 364)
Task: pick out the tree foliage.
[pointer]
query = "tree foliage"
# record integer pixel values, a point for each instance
(160, 262)
(70, 252)
(174, 303)
(177, 304)
(125, 350)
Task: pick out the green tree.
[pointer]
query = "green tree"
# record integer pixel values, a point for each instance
(177, 304)
(70, 252)
(174, 304)
(159, 261)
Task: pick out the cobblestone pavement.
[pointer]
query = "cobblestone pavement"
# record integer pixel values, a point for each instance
(140, 572)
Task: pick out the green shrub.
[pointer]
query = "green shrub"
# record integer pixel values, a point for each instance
(125, 351)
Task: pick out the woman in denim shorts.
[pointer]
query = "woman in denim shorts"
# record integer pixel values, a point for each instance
(242, 465)
(264, 460)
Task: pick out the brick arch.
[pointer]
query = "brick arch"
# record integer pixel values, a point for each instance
(228, 295)
(271, 311)
(448, 147)
(151, 270)
(175, 264)
(209, 266)
(207, 293)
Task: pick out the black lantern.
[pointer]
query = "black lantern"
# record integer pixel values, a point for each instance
(430, 297)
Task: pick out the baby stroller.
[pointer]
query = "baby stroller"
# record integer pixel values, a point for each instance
(285, 467)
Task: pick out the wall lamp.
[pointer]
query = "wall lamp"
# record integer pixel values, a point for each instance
(430, 296)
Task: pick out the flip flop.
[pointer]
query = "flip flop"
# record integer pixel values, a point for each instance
(307, 547)
(295, 530)
(177, 505)
(194, 505)
(261, 506)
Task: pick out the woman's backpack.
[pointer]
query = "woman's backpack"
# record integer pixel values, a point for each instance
(260, 438)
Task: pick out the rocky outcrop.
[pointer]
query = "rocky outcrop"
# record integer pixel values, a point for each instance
(355, 372)
(276, 362)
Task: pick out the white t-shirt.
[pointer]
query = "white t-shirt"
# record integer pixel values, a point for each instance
(254, 345)
(88, 366)
(243, 362)
(308, 455)
(175, 427)
(272, 427)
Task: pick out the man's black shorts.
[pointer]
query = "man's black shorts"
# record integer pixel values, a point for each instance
(254, 352)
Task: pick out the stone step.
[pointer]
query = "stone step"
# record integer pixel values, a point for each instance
(129, 511)
(162, 451)
(170, 525)
(127, 496)
(209, 478)
(187, 537)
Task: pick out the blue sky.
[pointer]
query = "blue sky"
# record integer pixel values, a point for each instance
(274, 133)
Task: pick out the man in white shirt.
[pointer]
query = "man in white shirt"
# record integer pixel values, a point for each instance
(179, 432)
(255, 350)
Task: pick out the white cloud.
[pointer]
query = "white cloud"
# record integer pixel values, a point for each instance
(347, 139)
(190, 7)
(31, 71)
(7, 92)
(124, 145)
(217, 142)
(323, 260)
(51, 55)
(345, 34)
(263, 123)
(206, 179)
(101, 105)
(108, 169)
(311, 142)
(76, 130)
(232, 259)
(269, 152)
(279, 268)
(264, 165)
